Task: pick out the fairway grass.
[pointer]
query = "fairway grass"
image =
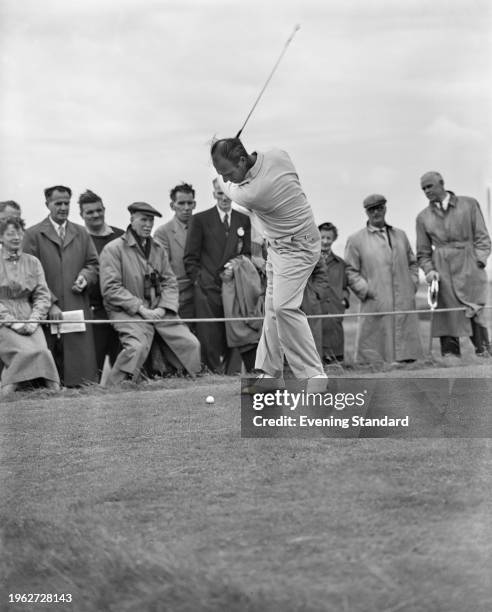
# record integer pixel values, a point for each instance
(148, 499)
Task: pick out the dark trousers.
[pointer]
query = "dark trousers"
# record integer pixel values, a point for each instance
(249, 357)
(212, 336)
(106, 340)
(480, 339)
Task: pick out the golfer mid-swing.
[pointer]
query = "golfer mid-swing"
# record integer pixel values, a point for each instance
(267, 184)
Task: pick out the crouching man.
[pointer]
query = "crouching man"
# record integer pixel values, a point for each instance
(137, 283)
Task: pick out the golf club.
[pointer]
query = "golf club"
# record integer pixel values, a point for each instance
(269, 78)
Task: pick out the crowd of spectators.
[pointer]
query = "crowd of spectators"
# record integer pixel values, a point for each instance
(153, 292)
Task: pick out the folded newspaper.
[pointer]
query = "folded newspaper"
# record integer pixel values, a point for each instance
(76, 318)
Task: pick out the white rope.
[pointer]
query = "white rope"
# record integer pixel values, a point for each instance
(231, 319)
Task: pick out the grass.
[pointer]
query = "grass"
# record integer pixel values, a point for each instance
(144, 498)
(148, 499)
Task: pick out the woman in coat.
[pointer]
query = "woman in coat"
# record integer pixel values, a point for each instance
(23, 295)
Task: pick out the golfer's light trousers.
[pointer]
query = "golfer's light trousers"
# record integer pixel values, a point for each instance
(285, 329)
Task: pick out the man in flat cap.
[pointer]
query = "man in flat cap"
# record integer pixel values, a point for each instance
(138, 284)
(382, 271)
(453, 245)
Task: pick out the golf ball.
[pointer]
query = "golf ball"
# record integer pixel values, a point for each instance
(210, 399)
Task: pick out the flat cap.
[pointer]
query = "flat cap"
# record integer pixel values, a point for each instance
(373, 200)
(145, 208)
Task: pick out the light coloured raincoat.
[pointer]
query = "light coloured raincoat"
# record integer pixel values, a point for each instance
(452, 242)
(383, 261)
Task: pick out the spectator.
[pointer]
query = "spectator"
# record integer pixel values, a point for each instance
(137, 284)
(9, 208)
(93, 212)
(382, 271)
(326, 293)
(23, 295)
(216, 236)
(453, 245)
(69, 261)
(172, 236)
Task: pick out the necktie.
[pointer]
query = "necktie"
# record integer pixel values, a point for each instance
(226, 223)
(61, 233)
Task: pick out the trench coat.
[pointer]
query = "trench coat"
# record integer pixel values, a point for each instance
(123, 268)
(452, 242)
(62, 264)
(391, 273)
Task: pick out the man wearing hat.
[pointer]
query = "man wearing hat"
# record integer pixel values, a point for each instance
(382, 271)
(138, 284)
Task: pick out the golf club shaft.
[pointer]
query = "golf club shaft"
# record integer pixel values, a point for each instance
(268, 79)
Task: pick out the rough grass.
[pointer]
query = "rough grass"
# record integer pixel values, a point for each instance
(147, 499)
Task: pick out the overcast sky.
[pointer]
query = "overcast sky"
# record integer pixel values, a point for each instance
(123, 97)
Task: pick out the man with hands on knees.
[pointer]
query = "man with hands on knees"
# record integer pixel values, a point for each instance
(137, 283)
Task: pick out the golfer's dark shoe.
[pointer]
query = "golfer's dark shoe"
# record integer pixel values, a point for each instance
(262, 384)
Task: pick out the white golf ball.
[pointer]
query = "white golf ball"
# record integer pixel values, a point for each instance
(210, 399)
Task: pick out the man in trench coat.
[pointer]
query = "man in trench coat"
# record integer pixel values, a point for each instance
(70, 264)
(138, 284)
(382, 271)
(453, 245)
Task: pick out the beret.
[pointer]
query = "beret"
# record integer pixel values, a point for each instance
(145, 208)
(374, 200)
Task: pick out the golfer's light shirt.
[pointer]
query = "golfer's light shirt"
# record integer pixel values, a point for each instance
(272, 190)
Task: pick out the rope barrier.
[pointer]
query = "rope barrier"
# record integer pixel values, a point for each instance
(231, 319)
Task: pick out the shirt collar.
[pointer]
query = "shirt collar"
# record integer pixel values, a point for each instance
(57, 226)
(449, 200)
(181, 224)
(373, 228)
(255, 168)
(222, 214)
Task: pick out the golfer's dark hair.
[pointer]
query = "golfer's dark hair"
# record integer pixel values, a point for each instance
(88, 197)
(49, 190)
(11, 203)
(231, 149)
(184, 188)
(328, 227)
(16, 222)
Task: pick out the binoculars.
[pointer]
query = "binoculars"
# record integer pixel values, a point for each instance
(152, 280)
